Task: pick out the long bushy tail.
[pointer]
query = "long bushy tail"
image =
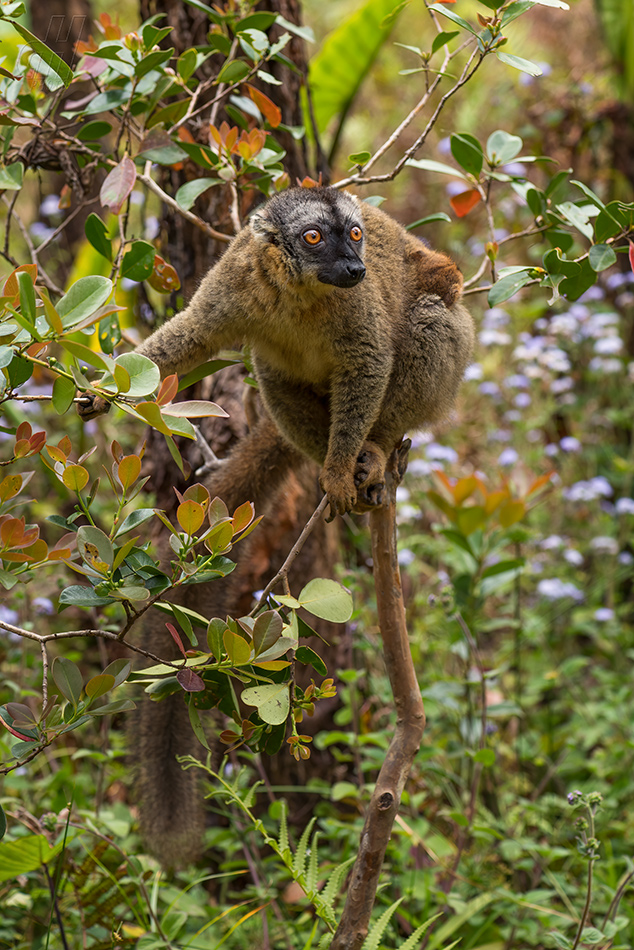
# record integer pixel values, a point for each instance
(171, 808)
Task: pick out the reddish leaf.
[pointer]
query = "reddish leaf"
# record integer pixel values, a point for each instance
(631, 254)
(11, 288)
(269, 110)
(118, 185)
(465, 201)
(168, 389)
(163, 278)
(190, 681)
(176, 637)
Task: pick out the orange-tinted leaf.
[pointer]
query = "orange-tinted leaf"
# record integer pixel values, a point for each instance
(75, 477)
(269, 110)
(197, 493)
(56, 454)
(65, 445)
(12, 532)
(243, 516)
(37, 443)
(511, 512)
(463, 203)
(10, 486)
(65, 198)
(190, 516)
(494, 499)
(540, 482)
(23, 431)
(11, 288)
(21, 448)
(167, 390)
(463, 488)
(129, 470)
(118, 184)
(38, 551)
(163, 278)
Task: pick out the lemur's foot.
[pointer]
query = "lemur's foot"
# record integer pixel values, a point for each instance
(369, 477)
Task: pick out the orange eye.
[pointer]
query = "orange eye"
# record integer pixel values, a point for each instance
(313, 236)
(356, 234)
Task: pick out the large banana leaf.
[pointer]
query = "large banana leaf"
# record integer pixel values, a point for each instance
(337, 71)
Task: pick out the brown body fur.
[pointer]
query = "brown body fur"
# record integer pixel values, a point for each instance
(343, 370)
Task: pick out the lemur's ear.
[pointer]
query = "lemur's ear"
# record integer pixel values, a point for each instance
(262, 227)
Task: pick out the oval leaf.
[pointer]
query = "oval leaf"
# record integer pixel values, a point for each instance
(118, 184)
(327, 599)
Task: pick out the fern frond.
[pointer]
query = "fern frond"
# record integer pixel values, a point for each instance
(299, 861)
(377, 930)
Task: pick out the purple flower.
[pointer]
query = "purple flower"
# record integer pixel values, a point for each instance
(508, 457)
(625, 506)
(554, 589)
(604, 614)
(570, 444)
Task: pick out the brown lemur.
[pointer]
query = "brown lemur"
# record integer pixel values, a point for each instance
(356, 331)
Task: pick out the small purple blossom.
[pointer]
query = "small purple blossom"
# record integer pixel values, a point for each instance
(508, 457)
(604, 614)
(604, 545)
(474, 371)
(573, 557)
(625, 506)
(489, 388)
(570, 444)
(522, 400)
(554, 589)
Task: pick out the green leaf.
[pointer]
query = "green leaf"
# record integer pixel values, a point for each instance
(429, 165)
(27, 296)
(83, 299)
(467, 151)
(144, 375)
(507, 287)
(485, 756)
(236, 648)
(273, 702)
(576, 216)
(437, 216)
(601, 256)
(111, 709)
(11, 176)
(437, 8)
(3, 822)
(152, 61)
(266, 631)
(373, 939)
(441, 39)
(338, 70)
(86, 355)
(78, 596)
(6, 355)
(360, 158)
(134, 519)
(574, 287)
(503, 147)
(96, 232)
(24, 854)
(93, 131)
(138, 262)
(95, 548)
(524, 65)
(67, 678)
(63, 394)
(308, 656)
(234, 70)
(327, 599)
(99, 685)
(50, 58)
(187, 193)
(109, 334)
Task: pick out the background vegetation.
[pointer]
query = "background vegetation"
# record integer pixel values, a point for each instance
(514, 520)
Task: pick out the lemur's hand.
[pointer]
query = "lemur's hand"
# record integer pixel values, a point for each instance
(89, 406)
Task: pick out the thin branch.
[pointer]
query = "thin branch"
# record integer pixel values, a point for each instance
(58, 230)
(282, 574)
(468, 71)
(410, 722)
(149, 182)
(43, 276)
